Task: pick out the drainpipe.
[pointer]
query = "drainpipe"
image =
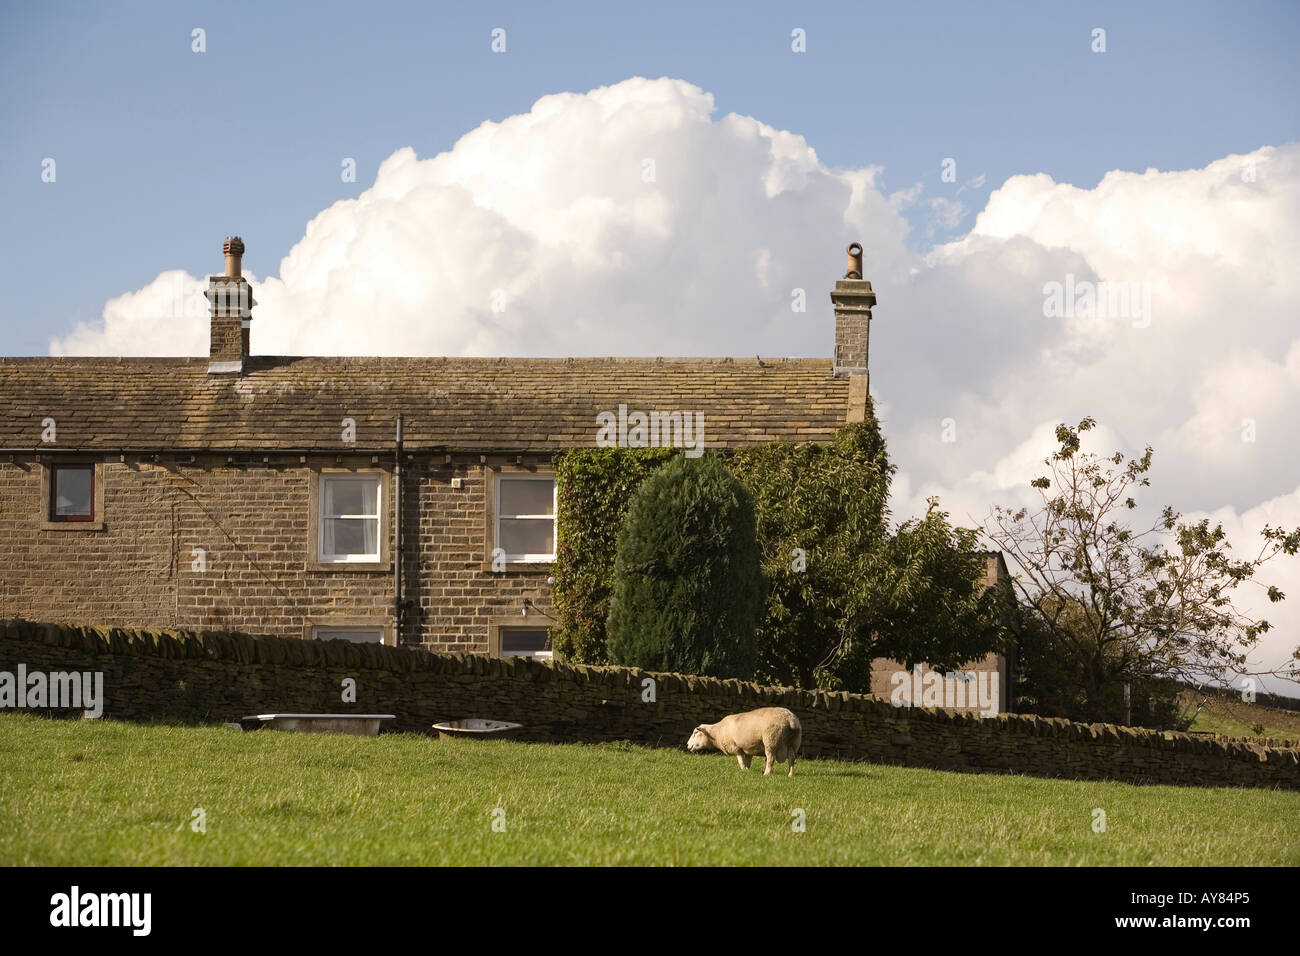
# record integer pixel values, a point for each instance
(397, 534)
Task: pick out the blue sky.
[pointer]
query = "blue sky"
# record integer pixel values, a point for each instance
(160, 151)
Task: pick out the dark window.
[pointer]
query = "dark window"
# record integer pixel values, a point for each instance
(72, 493)
(357, 635)
(525, 642)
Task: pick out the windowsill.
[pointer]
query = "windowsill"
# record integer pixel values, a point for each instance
(349, 565)
(522, 566)
(48, 525)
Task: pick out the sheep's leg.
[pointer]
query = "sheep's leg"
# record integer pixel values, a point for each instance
(791, 773)
(744, 761)
(771, 759)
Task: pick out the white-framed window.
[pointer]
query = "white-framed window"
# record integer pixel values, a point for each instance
(525, 517)
(357, 635)
(349, 518)
(526, 642)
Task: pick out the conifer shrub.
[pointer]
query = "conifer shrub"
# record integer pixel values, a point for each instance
(687, 587)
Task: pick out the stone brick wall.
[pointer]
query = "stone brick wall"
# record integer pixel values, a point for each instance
(252, 518)
(222, 677)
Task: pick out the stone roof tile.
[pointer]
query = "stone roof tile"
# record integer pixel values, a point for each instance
(457, 404)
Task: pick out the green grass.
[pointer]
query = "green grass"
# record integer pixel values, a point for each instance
(1228, 714)
(106, 793)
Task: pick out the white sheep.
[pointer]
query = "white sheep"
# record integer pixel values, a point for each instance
(771, 731)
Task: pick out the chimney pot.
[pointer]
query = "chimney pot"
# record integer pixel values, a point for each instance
(855, 261)
(233, 247)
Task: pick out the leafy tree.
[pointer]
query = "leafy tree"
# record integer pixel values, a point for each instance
(821, 509)
(1104, 605)
(1056, 680)
(842, 590)
(687, 587)
(923, 597)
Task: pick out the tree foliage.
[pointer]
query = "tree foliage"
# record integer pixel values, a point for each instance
(593, 489)
(820, 509)
(926, 598)
(687, 587)
(842, 589)
(1104, 604)
(1063, 675)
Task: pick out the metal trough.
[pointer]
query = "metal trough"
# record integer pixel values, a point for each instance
(362, 725)
(476, 728)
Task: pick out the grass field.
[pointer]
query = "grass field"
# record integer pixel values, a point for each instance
(1228, 714)
(100, 792)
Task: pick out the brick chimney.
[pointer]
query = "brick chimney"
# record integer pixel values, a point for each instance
(853, 300)
(230, 300)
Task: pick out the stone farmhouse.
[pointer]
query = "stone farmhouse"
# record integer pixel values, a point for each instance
(403, 500)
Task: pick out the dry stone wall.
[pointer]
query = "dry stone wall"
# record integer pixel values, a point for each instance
(226, 676)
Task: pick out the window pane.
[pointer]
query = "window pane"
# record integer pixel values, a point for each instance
(527, 536)
(527, 497)
(351, 496)
(72, 491)
(520, 641)
(369, 635)
(351, 536)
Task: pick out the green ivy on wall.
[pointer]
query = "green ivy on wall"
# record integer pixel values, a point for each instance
(594, 486)
(842, 586)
